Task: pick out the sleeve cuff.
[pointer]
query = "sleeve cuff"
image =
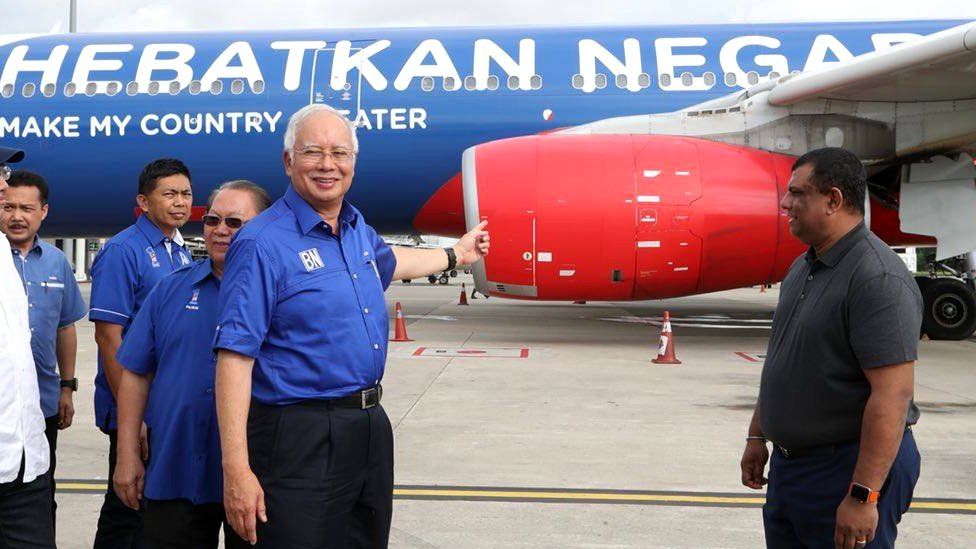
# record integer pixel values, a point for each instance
(242, 345)
(106, 315)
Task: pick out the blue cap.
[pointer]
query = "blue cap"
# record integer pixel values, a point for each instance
(10, 155)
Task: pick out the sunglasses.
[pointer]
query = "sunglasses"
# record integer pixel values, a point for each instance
(211, 220)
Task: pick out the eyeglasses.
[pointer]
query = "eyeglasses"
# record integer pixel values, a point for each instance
(211, 220)
(315, 155)
(5, 173)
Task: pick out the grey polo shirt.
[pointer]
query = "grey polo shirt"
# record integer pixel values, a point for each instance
(855, 308)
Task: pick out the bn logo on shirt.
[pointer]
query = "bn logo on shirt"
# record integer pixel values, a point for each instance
(311, 259)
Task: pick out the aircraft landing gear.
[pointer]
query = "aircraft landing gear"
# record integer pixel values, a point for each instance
(949, 304)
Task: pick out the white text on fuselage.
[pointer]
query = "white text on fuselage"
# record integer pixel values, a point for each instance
(670, 63)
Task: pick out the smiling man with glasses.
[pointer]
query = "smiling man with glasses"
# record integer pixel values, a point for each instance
(168, 378)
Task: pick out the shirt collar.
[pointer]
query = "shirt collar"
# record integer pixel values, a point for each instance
(200, 271)
(840, 248)
(35, 247)
(150, 229)
(308, 218)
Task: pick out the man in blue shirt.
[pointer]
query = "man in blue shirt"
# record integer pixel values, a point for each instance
(124, 272)
(307, 449)
(54, 303)
(168, 362)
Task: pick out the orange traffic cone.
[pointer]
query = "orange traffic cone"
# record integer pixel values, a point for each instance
(464, 296)
(665, 352)
(400, 327)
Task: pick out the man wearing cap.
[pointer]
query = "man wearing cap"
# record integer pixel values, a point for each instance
(302, 338)
(54, 303)
(123, 273)
(25, 488)
(169, 363)
(835, 398)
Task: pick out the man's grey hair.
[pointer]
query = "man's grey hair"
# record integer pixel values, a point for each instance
(308, 110)
(262, 200)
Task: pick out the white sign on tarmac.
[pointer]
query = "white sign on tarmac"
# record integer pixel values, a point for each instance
(471, 352)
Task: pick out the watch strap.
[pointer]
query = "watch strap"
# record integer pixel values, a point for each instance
(451, 258)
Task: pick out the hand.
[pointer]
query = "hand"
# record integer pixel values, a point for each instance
(144, 442)
(855, 521)
(754, 459)
(129, 479)
(473, 246)
(66, 408)
(243, 501)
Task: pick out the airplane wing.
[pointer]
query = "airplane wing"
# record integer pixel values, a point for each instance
(912, 106)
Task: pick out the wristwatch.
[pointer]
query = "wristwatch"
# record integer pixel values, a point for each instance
(863, 494)
(70, 383)
(451, 259)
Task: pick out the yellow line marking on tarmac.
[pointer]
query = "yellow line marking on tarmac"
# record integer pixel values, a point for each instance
(574, 496)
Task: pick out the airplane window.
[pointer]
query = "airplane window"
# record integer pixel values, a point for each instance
(174, 87)
(665, 79)
(69, 89)
(773, 75)
(752, 77)
(578, 81)
(730, 79)
(132, 88)
(709, 79)
(217, 87)
(493, 82)
(427, 83)
(450, 84)
(29, 89)
(257, 86)
(601, 81)
(513, 82)
(644, 80)
(112, 88)
(194, 87)
(153, 87)
(621, 80)
(90, 89)
(535, 82)
(687, 79)
(237, 86)
(8, 91)
(48, 90)
(469, 83)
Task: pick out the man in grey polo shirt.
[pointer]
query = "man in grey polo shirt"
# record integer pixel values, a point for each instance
(835, 397)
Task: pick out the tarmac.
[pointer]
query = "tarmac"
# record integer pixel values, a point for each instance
(545, 425)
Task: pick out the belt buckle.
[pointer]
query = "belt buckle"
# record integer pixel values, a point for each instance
(368, 398)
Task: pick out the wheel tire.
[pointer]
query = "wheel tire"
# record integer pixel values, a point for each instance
(407, 281)
(432, 279)
(453, 274)
(443, 279)
(949, 309)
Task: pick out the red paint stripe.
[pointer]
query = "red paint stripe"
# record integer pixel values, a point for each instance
(525, 353)
(746, 356)
(419, 351)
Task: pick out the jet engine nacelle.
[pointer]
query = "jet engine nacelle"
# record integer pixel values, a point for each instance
(620, 217)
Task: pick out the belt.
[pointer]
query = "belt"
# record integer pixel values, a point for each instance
(815, 451)
(363, 399)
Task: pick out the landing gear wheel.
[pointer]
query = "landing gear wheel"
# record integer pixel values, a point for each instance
(432, 279)
(950, 309)
(453, 274)
(443, 279)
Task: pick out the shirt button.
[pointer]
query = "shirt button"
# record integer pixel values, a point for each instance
(209, 390)
(354, 275)
(375, 346)
(810, 277)
(366, 310)
(802, 296)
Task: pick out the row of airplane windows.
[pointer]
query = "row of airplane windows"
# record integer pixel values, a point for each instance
(427, 84)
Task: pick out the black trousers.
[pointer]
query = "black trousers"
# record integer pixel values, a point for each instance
(179, 524)
(119, 527)
(51, 432)
(327, 475)
(21, 508)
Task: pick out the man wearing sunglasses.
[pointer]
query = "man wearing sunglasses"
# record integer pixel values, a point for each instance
(168, 378)
(25, 489)
(124, 272)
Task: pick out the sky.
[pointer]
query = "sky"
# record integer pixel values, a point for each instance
(30, 16)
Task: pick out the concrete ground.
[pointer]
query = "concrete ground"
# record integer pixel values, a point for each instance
(620, 452)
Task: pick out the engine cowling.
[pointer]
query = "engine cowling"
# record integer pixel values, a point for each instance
(618, 217)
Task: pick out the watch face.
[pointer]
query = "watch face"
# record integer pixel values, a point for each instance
(859, 492)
